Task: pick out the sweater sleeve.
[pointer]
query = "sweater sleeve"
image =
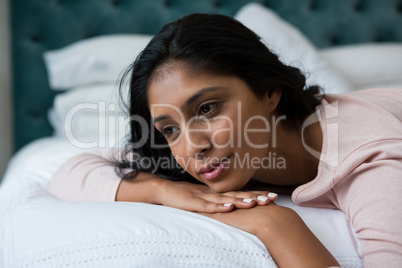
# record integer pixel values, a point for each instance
(86, 177)
(371, 198)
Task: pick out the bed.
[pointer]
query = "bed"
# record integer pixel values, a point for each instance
(342, 45)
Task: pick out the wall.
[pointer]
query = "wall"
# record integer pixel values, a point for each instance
(5, 87)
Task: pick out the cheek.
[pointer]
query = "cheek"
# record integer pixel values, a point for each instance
(181, 157)
(223, 133)
(257, 137)
(178, 155)
(256, 131)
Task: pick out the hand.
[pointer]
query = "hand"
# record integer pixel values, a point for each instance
(200, 198)
(152, 189)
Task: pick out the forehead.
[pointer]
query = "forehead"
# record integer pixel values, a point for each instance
(172, 87)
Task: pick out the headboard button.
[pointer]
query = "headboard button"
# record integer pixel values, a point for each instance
(358, 6)
(34, 38)
(35, 114)
(377, 38)
(89, 35)
(313, 5)
(334, 40)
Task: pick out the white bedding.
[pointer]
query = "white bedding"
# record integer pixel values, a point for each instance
(37, 230)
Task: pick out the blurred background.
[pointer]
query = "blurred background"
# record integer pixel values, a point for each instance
(5, 88)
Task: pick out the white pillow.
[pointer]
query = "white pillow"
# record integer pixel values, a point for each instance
(292, 47)
(93, 60)
(89, 116)
(368, 65)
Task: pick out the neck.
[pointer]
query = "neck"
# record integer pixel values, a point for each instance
(298, 166)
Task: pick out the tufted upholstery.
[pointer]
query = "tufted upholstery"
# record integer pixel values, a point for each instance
(40, 25)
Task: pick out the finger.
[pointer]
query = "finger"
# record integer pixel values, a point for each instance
(245, 194)
(272, 196)
(238, 202)
(202, 205)
(261, 197)
(245, 203)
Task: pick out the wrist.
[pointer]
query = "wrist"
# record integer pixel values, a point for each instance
(145, 188)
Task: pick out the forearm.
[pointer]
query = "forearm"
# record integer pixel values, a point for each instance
(91, 177)
(291, 243)
(146, 188)
(283, 233)
(86, 177)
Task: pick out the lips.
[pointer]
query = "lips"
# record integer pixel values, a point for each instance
(213, 170)
(208, 167)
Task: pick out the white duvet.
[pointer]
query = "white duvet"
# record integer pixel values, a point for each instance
(37, 230)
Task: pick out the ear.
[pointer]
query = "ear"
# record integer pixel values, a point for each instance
(274, 98)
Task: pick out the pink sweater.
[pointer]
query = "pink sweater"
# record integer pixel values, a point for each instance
(360, 171)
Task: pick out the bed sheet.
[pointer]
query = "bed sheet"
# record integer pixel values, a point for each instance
(38, 230)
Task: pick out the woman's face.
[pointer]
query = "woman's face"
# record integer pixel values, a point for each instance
(216, 128)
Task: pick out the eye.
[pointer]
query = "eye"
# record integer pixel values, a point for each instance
(168, 131)
(207, 108)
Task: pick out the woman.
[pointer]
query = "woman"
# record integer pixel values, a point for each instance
(210, 102)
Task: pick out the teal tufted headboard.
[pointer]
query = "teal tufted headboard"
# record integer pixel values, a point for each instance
(40, 25)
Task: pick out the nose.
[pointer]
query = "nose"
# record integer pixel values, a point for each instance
(197, 142)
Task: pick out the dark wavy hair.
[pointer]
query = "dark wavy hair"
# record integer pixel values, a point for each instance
(219, 45)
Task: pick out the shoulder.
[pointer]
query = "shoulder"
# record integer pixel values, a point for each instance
(364, 103)
(358, 128)
(361, 119)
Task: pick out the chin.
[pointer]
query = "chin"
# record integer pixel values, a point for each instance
(224, 188)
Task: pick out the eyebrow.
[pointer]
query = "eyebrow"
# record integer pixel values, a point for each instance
(190, 101)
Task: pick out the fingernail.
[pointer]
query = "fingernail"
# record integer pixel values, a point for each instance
(248, 200)
(272, 195)
(227, 204)
(262, 198)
